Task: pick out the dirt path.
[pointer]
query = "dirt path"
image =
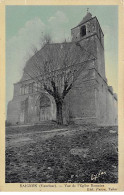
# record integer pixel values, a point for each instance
(31, 137)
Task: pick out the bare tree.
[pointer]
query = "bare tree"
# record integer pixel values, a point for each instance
(47, 38)
(55, 69)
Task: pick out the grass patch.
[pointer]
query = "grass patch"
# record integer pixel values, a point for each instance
(62, 156)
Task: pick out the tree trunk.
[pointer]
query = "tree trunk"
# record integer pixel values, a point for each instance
(59, 113)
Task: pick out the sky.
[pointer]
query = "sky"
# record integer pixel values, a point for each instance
(25, 25)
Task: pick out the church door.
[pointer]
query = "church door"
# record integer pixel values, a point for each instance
(45, 113)
(45, 107)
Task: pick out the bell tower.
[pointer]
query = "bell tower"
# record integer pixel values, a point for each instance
(90, 36)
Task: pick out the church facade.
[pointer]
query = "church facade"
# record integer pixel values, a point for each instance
(90, 100)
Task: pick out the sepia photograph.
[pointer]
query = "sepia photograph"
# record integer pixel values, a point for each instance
(61, 94)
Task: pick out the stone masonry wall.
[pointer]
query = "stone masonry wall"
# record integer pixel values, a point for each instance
(25, 109)
(92, 45)
(14, 109)
(79, 105)
(106, 103)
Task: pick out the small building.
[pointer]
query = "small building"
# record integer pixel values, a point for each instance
(90, 100)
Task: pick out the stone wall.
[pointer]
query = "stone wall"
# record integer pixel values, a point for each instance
(91, 101)
(25, 109)
(106, 103)
(14, 109)
(93, 46)
(92, 27)
(79, 105)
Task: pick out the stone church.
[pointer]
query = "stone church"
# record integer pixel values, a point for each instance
(90, 100)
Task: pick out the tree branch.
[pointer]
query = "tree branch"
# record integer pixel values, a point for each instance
(66, 89)
(49, 91)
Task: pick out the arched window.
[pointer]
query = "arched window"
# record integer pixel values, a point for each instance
(30, 88)
(22, 92)
(26, 89)
(34, 87)
(83, 31)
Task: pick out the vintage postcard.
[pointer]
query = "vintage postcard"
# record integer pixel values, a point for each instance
(61, 95)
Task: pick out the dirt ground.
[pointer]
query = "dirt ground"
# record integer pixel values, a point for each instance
(54, 154)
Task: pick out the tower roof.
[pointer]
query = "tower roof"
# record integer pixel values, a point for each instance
(86, 18)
